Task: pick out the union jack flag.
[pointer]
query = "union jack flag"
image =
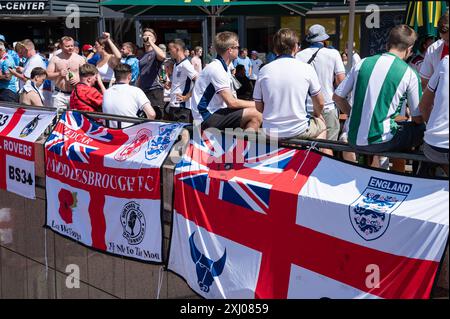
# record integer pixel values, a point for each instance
(80, 152)
(75, 150)
(55, 142)
(94, 130)
(250, 188)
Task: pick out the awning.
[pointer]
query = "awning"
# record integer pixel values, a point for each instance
(423, 16)
(209, 7)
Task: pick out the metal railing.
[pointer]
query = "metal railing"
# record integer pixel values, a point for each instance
(288, 143)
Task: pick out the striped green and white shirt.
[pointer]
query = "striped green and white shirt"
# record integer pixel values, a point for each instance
(380, 84)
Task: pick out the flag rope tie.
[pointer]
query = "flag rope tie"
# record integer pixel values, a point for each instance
(45, 253)
(313, 146)
(160, 280)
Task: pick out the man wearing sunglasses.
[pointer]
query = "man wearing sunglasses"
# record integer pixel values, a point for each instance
(214, 102)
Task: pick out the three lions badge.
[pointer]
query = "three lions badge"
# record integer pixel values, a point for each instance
(371, 212)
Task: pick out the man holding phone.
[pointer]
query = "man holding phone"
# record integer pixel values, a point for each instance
(149, 66)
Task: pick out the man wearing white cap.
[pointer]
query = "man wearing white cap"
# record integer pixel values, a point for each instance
(256, 65)
(330, 71)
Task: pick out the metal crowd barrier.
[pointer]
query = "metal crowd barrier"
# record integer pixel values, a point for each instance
(288, 143)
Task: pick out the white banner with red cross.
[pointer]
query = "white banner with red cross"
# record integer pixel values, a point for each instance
(103, 185)
(295, 224)
(19, 130)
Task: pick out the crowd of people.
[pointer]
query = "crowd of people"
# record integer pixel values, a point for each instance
(299, 91)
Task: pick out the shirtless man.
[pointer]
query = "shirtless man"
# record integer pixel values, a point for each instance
(63, 70)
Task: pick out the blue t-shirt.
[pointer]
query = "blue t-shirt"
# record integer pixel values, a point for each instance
(270, 57)
(247, 63)
(94, 60)
(47, 86)
(134, 63)
(13, 54)
(5, 63)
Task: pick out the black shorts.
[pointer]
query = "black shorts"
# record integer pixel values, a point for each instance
(179, 114)
(156, 98)
(8, 96)
(409, 135)
(224, 118)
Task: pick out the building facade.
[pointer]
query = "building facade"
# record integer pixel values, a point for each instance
(255, 32)
(48, 25)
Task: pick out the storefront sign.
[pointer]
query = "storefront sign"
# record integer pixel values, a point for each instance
(22, 7)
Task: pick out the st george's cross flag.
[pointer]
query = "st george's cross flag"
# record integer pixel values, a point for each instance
(103, 185)
(295, 224)
(19, 130)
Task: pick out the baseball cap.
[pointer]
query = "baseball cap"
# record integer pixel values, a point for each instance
(2, 38)
(87, 47)
(254, 52)
(317, 33)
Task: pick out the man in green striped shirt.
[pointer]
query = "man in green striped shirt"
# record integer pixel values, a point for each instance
(380, 84)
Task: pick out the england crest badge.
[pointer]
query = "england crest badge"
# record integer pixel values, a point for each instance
(371, 212)
(159, 143)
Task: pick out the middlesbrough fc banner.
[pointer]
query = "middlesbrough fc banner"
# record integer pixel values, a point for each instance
(103, 185)
(289, 223)
(19, 129)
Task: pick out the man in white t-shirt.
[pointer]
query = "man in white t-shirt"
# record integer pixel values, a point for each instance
(330, 70)
(435, 52)
(281, 91)
(183, 76)
(256, 66)
(436, 134)
(124, 99)
(213, 103)
(34, 60)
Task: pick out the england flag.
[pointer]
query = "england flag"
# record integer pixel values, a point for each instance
(296, 224)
